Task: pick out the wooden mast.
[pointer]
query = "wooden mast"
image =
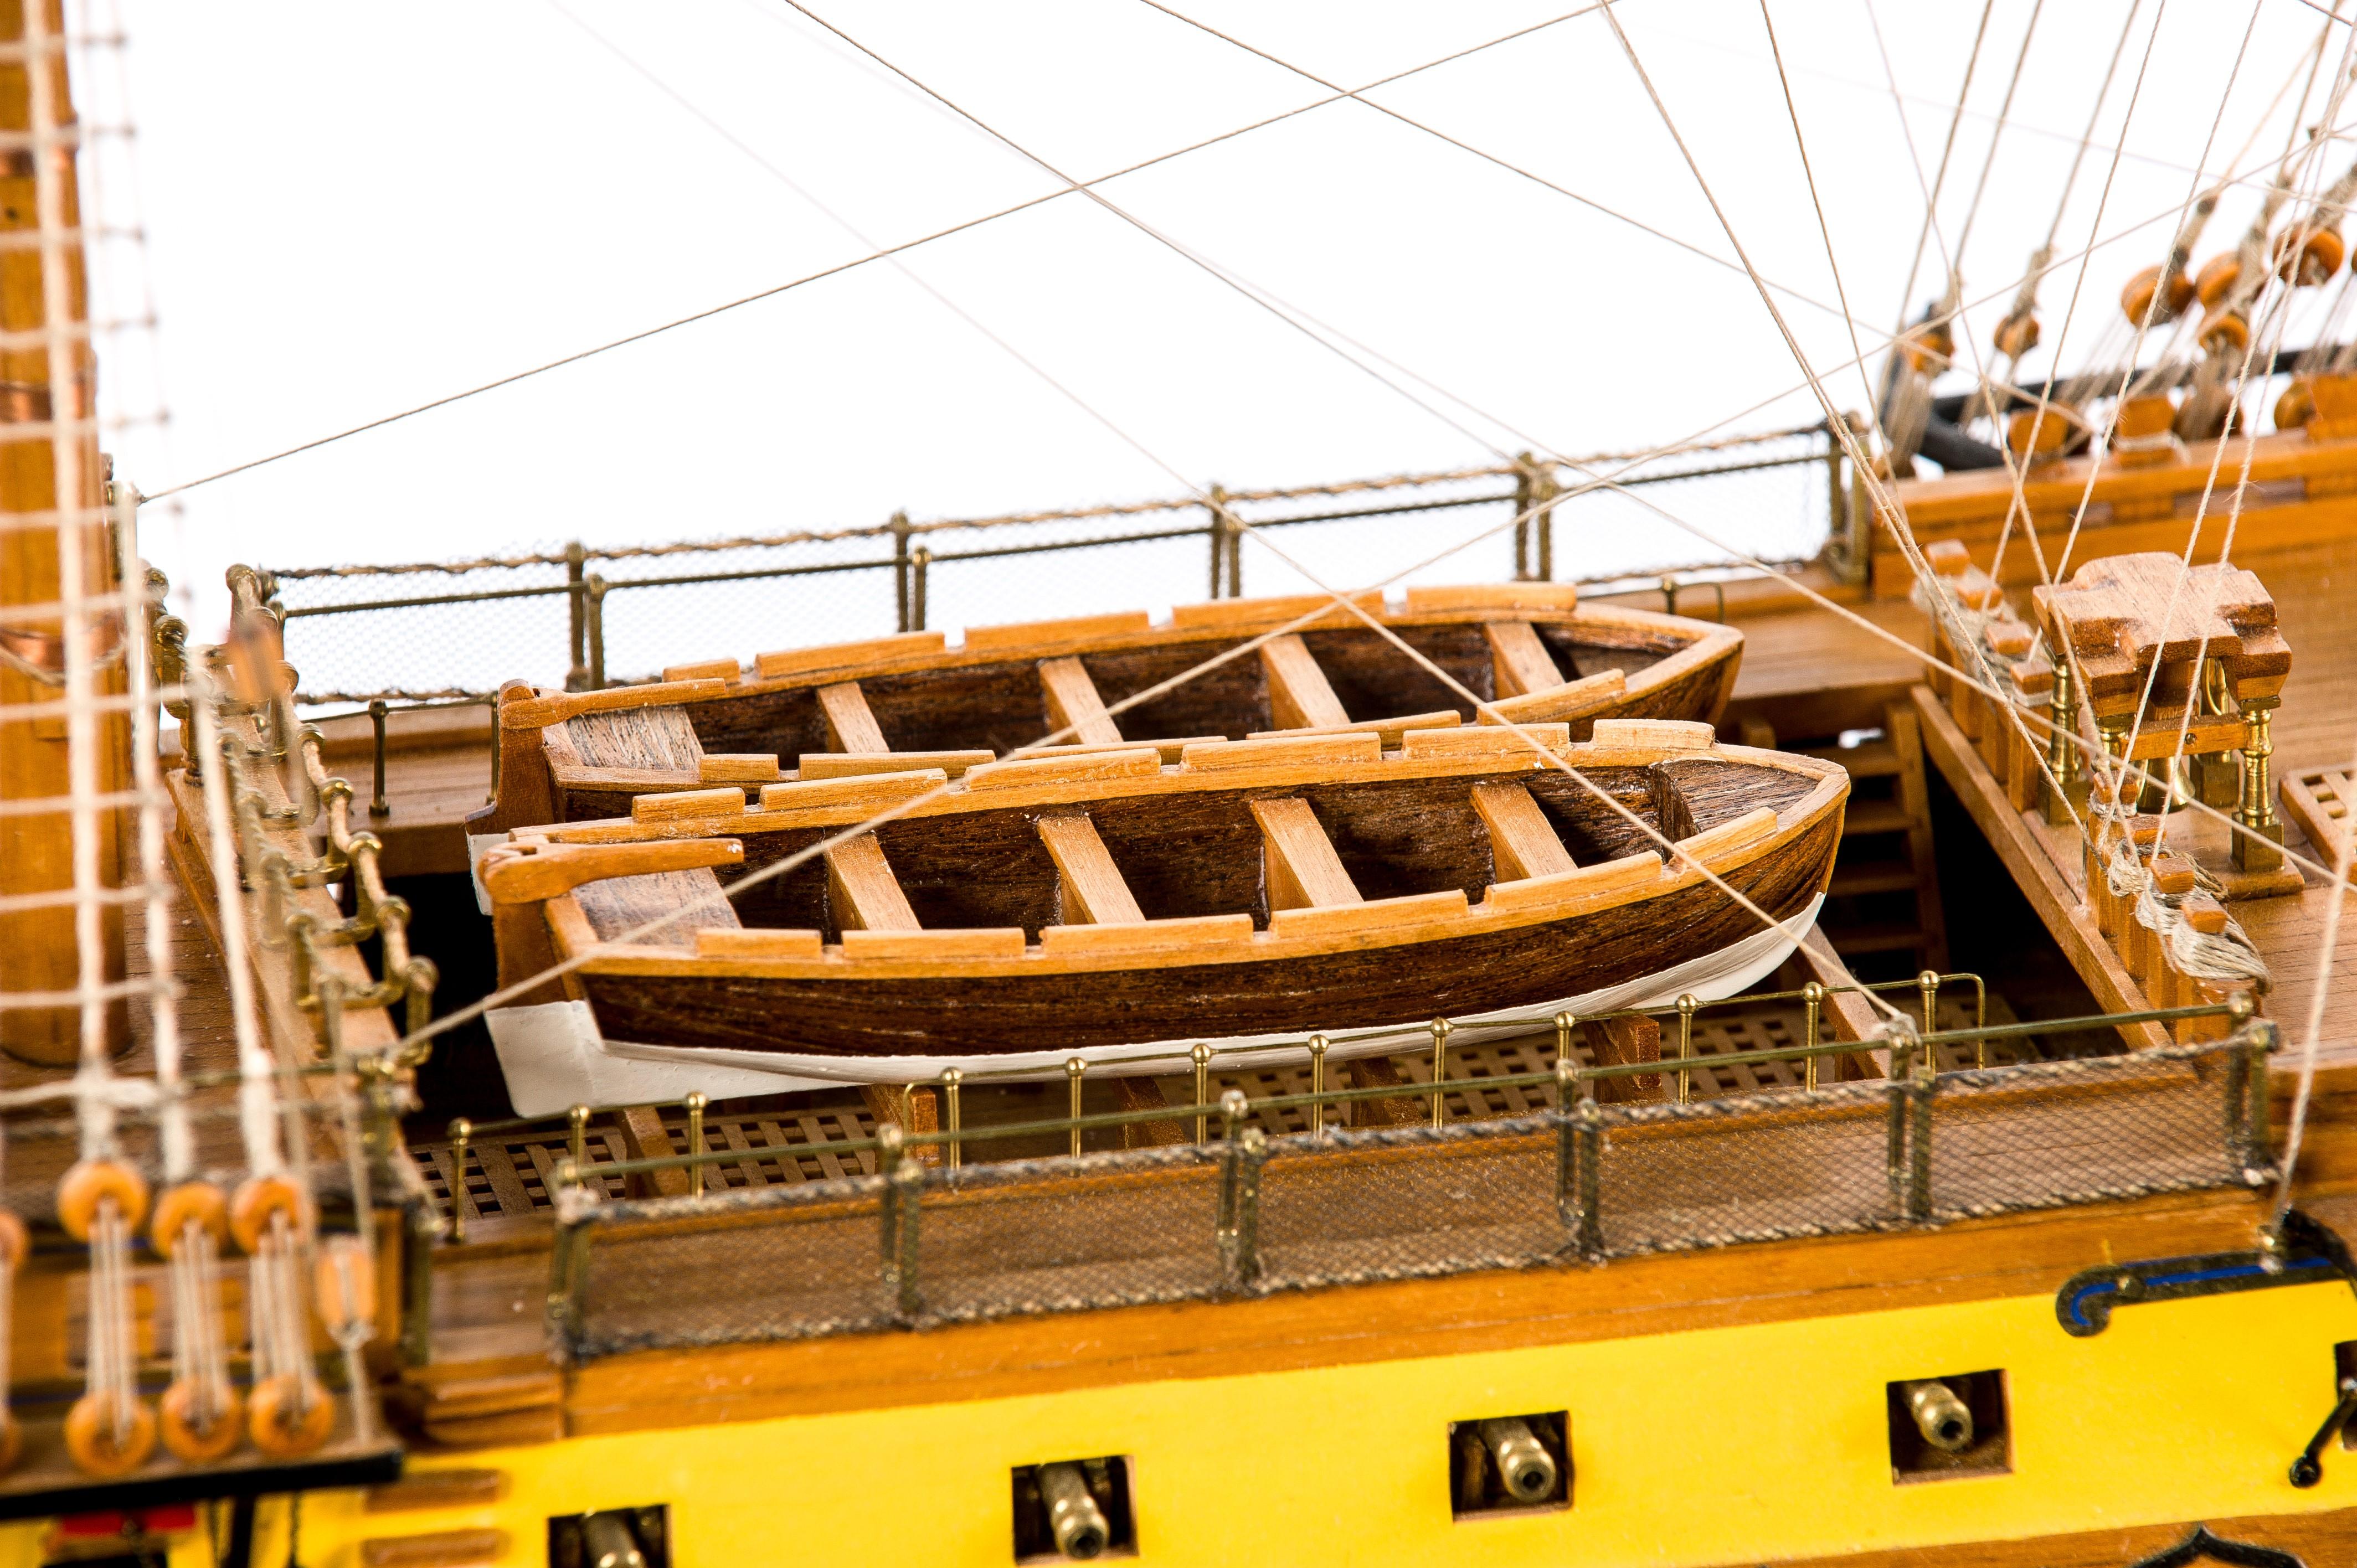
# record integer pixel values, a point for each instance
(41, 462)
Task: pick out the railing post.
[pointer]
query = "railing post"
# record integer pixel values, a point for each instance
(1220, 529)
(1920, 1088)
(1548, 490)
(899, 526)
(1526, 497)
(378, 805)
(1686, 1006)
(1242, 1153)
(2246, 1102)
(576, 602)
(904, 1185)
(920, 561)
(1441, 1028)
(1813, 1001)
(594, 593)
(1899, 1039)
(1317, 1047)
(568, 1258)
(1578, 1163)
(696, 1104)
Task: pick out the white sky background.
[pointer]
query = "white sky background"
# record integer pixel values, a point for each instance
(353, 208)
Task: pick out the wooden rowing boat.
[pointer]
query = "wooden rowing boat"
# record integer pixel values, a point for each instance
(1531, 648)
(1113, 898)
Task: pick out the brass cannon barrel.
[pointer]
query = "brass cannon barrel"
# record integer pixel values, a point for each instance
(1074, 1517)
(1525, 1467)
(1945, 1421)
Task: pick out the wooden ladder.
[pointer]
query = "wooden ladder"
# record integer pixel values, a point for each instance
(1885, 897)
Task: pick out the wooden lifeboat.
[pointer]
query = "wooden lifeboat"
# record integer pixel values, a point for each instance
(912, 701)
(1077, 902)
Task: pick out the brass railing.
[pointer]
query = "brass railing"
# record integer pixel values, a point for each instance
(2183, 1143)
(915, 552)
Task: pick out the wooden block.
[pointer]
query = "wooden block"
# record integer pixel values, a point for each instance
(1381, 1072)
(1133, 1091)
(1272, 611)
(1390, 730)
(1519, 657)
(1073, 628)
(985, 942)
(1653, 735)
(440, 1549)
(1618, 1042)
(681, 805)
(848, 655)
(757, 942)
(1073, 705)
(1299, 695)
(738, 768)
(1758, 733)
(1570, 700)
(866, 789)
(1413, 910)
(439, 1489)
(1947, 558)
(2025, 781)
(1523, 843)
(1093, 891)
(2207, 732)
(854, 764)
(1488, 740)
(1089, 767)
(1147, 936)
(1303, 871)
(850, 727)
(1624, 877)
(1755, 826)
(862, 891)
(909, 1108)
(1442, 598)
(708, 670)
(2317, 801)
(1303, 751)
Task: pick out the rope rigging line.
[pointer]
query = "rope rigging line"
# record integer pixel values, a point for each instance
(773, 292)
(1989, 163)
(1947, 149)
(2277, 317)
(851, 228)
(1201, 262)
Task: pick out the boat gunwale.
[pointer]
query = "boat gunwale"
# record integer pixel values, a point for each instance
(1714, 644)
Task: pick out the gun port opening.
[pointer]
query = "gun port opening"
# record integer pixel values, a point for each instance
(615, 1538)
(1073, 1510)
(1511, 1463)
(1947, 1426)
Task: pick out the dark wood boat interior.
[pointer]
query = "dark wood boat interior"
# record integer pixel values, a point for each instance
(1210, 851)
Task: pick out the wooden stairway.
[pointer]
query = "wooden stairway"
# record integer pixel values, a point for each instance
(1885, 897)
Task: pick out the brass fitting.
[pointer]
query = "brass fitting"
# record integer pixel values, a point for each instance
(1523, 1463)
